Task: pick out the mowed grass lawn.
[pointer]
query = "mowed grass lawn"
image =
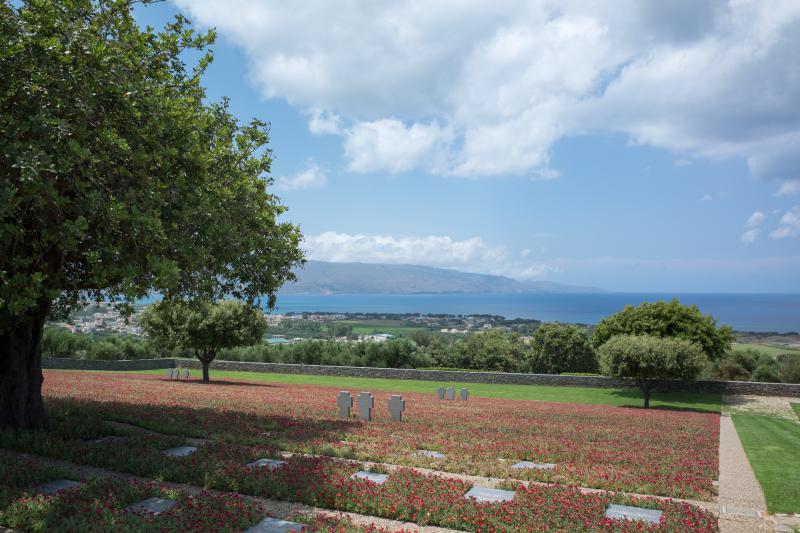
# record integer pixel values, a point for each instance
(586, 395)
(773, 448)
(768, 349)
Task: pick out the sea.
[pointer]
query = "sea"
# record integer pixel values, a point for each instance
(743, 312)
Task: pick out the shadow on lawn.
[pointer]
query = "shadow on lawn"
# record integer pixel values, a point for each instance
(637, 402)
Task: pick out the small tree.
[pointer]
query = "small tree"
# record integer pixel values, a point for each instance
(649, 360)
(204, 327)
(667, 319)
(557, 348)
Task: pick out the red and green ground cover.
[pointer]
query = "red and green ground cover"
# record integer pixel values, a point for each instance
(660, 452)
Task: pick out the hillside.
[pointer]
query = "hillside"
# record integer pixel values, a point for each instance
(319, 277)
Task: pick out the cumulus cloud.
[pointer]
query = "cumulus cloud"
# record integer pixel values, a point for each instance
(750, 236)
(752, 230)
(755, 219)
(309, 178)
(788, 188)
(472, 255)
(487, 87)
(789, 225)
(707, 198)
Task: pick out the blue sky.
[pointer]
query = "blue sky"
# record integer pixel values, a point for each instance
(648, 148)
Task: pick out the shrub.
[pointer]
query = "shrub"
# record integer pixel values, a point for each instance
(557, 348)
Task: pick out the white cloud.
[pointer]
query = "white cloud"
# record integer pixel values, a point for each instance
(755, 219)
(309, 178)
(750, 236)
(321, 122)
(487, 87)
(707, 198)
(788, 188)
(789, 225)
(471, 255)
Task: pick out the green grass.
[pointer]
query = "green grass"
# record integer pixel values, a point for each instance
(796, 407)
(768, 349)
(771, 445)
(596, 396)
(366, 329)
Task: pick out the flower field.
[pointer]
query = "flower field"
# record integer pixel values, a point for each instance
(667, 453)
(250, 422)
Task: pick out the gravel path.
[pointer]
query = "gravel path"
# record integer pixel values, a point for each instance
(741, 501)
(759, 405)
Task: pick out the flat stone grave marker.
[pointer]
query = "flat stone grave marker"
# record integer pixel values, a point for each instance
(440, 392)
(451, 393)
(365, 404)
(464, 394)
(185, 374)
(485, 494)
(57, 486)
(431, 454)
(111, 439)
(627, 512)
(344, 401)
(268, 463)
(396, 407)
(529, 464)
(180, 451)
(275, 525)
(375, 477)
(153, 506)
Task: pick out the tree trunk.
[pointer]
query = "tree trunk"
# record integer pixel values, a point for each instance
(21, 405)
(205, 371)
(646, 385)
(205, 360)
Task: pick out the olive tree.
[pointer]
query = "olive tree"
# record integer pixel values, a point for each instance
(649, 360)
(558, 348)
(118, 178)
(667, 319)
(204, 327)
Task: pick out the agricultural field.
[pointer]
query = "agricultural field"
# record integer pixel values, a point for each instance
(637, 457)
(769, 349)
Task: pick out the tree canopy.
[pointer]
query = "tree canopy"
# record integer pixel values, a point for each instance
(667, 319)
(117, 178)
(558, 348)
(649, 359)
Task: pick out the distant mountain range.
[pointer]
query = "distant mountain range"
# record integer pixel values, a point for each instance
(320, 277)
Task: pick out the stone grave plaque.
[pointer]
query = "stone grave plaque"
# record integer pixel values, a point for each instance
(464, 394)
(396, 407)
(267, 463)
(111, 439)
(153, 506)
(185, 374)
(180, 451)
(440, 392)
(365, 404)
(485, 494)
(57, 486)
(451, 393)
(275, 525)
(375, 477)
(344, 401)
(627, 512)
(431, 454)
(523, 465)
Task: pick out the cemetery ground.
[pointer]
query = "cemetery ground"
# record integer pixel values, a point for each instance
(662, 459)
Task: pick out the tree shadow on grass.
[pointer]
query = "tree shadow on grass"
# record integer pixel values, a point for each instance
(660, 398)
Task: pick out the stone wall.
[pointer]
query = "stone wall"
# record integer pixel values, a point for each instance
(440, 376)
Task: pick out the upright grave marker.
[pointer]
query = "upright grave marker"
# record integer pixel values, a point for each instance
(365, 404)
(344, 401)
(440, 391)
(464, 394)
(185, 374)
(396, 407)
(451, 393)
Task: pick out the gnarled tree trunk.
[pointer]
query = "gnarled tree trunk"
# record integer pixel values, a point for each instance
(205, 359)
(21, 405)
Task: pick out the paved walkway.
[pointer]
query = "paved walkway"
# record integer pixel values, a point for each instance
(741, 501)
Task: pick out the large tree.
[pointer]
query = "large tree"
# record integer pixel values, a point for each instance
(667, 319)
(559, 348)
(204, 327)
(117, 178)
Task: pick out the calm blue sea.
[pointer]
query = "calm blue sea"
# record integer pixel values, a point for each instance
(743, 312)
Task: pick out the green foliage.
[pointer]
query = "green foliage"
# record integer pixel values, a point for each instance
(492, 350)
(649, 359)
(559, 348)
(667, 319)
(751, 364)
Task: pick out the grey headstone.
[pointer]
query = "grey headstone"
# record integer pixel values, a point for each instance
(528, 464)
(396, 407)
(464, 394)
(180, 451)
(451, 393)
(185, 374)
(485, 494)
(432, 454)
(175, 373)
(268, 463)
(57, 486)
(440, 392)
(151, 505)
(365, 404)
(169, 373)
(627, 512)
(380, 479)
(274, 525)
(344, 401)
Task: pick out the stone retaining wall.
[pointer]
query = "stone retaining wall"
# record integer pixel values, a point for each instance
(441, 376)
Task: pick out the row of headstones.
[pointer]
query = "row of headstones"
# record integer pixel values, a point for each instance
(366, 403)
(177, 373)
(450, 393)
